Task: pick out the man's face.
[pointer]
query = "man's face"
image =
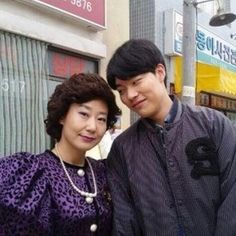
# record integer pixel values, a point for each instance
(145, 94)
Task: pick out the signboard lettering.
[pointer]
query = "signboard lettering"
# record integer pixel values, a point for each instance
(92, 11)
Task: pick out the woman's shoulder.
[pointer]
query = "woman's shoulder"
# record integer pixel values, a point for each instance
(16, 160)
(22, 172)
(16, 156)
(20, 159)
(20, 165)
(99, 166)
(97, 163)
(23, 185)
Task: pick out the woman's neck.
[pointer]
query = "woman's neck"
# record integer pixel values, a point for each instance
(69, 154)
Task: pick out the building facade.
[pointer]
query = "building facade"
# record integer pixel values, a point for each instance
(215, 78)
(42, 43)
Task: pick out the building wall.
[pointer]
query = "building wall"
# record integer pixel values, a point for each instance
(117, 32)
(52, 27)
(151, 12)
(148, 21)
(64, 32)
(59, 30)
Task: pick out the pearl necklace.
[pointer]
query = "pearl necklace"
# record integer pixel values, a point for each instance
(88, 196)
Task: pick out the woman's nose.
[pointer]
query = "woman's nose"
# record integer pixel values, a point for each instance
(91, 124)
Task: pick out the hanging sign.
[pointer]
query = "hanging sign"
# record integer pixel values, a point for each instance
(90, 11)
(211, 49)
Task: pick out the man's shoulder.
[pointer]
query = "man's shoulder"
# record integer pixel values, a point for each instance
(203, 110)
(131, 133)
(203, 114)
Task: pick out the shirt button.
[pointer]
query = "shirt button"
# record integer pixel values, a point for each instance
(80, 172)
(171, 163)
(180, 202)
(93, 227)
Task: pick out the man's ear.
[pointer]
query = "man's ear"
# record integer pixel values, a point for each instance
(161, 72)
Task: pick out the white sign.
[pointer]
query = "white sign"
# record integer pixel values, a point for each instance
(211, 49)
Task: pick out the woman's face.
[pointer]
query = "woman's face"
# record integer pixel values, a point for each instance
(84, 125)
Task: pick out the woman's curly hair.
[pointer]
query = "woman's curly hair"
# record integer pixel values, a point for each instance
(79, 88)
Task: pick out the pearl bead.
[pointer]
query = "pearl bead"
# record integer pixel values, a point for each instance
(89, 200)
(88, 196)
(93, 227)
(80, 172)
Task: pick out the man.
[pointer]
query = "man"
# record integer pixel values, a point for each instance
(173, 172)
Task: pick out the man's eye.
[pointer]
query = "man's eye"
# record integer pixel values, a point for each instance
(136, 81)
(120, 91)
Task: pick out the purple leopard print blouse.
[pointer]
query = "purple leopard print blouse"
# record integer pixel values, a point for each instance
(37, 199)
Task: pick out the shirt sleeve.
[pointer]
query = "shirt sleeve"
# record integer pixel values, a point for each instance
(124, 219)
(24, 197)
(225, 137)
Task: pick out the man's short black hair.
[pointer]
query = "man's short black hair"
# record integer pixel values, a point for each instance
(134, 57)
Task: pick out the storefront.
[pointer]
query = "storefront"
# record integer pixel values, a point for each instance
(215, 84)
(225, 104)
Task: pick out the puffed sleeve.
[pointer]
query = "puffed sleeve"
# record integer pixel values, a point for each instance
(24, 200)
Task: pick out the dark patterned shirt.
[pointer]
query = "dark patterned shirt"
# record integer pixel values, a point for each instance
(175, 179)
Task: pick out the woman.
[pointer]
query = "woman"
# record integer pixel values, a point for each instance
(62, 192)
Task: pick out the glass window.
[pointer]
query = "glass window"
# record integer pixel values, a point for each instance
(23, 94)
(29, 72)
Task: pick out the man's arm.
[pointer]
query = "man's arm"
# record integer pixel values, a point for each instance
(124, 217)
(225, 134)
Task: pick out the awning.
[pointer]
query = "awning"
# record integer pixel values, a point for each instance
(209, 78)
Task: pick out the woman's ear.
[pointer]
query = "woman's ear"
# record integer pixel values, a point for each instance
(161, 72)
(61, 121)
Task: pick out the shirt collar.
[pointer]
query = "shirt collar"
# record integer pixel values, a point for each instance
(173, 111)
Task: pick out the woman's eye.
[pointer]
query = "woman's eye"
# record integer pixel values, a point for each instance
(84, 114)
(103, 120)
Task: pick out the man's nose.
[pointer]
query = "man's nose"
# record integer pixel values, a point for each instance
(131, 93)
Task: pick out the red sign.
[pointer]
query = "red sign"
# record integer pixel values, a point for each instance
(89, 10)
(63, 66)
